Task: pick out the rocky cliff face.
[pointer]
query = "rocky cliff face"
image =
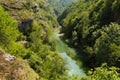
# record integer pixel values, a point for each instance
(27, 11)
(35, 23)
(12, 68)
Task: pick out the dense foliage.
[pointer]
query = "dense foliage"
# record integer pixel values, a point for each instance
(93, 27)
(26, 36)
(6, 30)
(101, 73)
(60, 5)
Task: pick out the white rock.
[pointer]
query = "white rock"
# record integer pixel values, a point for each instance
(9, 57)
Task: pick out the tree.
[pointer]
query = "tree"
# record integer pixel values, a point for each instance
(104, 73)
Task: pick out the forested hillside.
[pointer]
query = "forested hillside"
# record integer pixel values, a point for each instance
(93, 28)
(59, 5)
(25, 26)
(31, 47)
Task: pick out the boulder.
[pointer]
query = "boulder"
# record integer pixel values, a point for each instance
(12, 68)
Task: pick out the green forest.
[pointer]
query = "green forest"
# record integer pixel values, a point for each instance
(59, 40)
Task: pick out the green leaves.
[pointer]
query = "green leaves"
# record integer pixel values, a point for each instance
(39, 53)
(8, 28)
(90, 26)
(60, 5)
(104, 73)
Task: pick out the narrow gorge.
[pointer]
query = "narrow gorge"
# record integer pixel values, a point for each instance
(59, 40)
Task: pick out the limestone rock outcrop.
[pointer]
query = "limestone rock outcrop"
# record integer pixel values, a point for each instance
(12, 68)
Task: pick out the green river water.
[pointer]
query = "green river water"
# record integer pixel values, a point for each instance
(63, 49)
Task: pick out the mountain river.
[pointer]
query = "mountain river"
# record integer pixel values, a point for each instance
(63, 49)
